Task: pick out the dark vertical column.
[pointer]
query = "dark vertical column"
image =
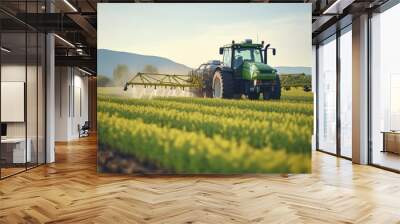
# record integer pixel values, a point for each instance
(26, 86)
(92, 102)
(1, 164)
(73, 92)
(45, 97)
(69, 92)
(37, 90)
(338, 73)
(369, 62)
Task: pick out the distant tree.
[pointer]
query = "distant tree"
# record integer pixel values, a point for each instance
(150, 69)
(103, 81)
(296, 80)
(120, 74)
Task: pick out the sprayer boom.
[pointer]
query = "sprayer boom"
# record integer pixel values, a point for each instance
(165, 80)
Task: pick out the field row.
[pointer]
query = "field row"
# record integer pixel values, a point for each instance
(285, 134)
(237, 113)
(180, 151)
(254, 105)
(297, 95)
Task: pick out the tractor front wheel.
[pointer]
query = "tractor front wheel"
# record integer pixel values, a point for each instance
(222, 85)
(276, 94)
(254, 96)
(267, 93)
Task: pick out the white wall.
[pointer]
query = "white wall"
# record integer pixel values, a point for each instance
(13, 73)
(80, 104)
(16, 73)
(314, 90)
(62, 83)
(71, 102)
(33, 127)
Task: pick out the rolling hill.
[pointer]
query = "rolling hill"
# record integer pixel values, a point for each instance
(107, 60)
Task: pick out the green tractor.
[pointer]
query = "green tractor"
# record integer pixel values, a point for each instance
(242, 71)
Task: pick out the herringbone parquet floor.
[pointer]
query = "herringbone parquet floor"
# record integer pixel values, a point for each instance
(70, 191)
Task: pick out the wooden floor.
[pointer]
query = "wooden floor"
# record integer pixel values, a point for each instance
(70, 191)
(387, 159)
(5, 172)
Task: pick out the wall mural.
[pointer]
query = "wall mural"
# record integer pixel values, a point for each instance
(204, 88)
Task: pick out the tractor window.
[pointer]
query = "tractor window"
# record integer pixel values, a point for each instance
(227, 58)
(246, 54)
(257, 55)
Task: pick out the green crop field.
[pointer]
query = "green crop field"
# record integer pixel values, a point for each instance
(196, 135)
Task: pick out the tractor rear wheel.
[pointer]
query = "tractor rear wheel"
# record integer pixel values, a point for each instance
(276, 93)
(222, 85)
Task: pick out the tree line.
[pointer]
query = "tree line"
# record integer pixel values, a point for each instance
(296, 80)
(121, 74)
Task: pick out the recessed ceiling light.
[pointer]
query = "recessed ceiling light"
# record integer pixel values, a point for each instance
(84, 71)
(335, 8)
(64, 40)
(70, 5)
(5, 50)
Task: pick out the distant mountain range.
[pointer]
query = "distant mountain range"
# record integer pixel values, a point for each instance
(293, 70)
(107, 60)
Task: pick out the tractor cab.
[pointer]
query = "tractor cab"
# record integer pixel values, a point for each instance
(245, 54)
(247, 62)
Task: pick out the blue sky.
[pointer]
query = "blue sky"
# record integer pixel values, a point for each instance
(192, 33)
